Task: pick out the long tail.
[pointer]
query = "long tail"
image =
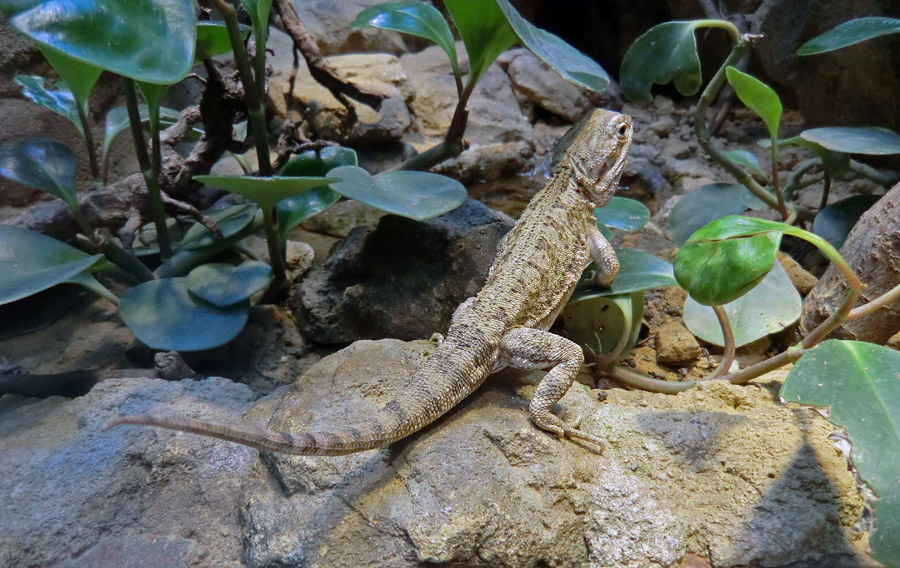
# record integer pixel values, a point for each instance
(439, 385)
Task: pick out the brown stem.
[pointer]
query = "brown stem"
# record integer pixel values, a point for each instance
(728, 335)
(319, 67)
(826, 187)
(637, 380)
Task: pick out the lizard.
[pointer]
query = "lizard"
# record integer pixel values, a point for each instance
(535, 270)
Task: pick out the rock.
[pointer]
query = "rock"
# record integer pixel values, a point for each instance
(854, 86)
(328, 23)
(404, 279)
(802, 280)
(677, 149)
(342, 217)
(722, 471)
(675, 344)
(501, 139)
(376, 72)
(127, 496)
(546, 88)
(664, 126)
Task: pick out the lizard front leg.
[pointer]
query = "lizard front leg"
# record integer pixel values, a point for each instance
(604, 256)
(527, 348)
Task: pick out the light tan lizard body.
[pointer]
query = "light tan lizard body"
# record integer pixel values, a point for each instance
(535, 271)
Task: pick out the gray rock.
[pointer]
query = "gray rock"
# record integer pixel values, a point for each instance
(546, 88)
(404, 279)
(328, 23)
(501, 139)
(722, 471)
(854, 86)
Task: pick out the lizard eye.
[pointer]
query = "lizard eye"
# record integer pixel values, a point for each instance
(622, 131)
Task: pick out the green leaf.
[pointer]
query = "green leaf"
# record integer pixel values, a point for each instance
(833, 223)
(759, 97)
(623, 213)
(849, 33)
(766, 309)
(638, 271)
(79, 76)
(667, 52)
(213, 40)
(59, 100)
(411, 17)
(265, 191)
(31, 262)
(46, 165)
(608, 318)
(117, 122)
(837, 163)
(164, 315)
(484, 31)
(151, 41)
(703, 205)
(312, 163)
(231, 221)
(859, 383)
(223, 284)
(869, 140)
(570, 63)
(745, 159)
(417, 195)
(726, 258)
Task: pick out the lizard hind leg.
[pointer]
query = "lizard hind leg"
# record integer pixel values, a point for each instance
(527, 348)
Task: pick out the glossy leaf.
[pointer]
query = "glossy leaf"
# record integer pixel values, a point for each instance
(758, 97)
(608, 318)
(570, 63)
(745, 159)
(835, 162)
(869, 140)
(417, 195)
(78, 76)
(667, 52)
(484, 31)
(224, 284)
(833, 223)
(411, 17)
(164, 315)
(117, 122)
(298, 208)
(230, 221)
(59, 100)
(31, 262)
(151, 41)
(623, 213)
(726, 258)
(213, 40)
(638, 271)
(46, 165)
(703, 205)
(766, 309)
(850, 33)
(265, 191)
(859, 384)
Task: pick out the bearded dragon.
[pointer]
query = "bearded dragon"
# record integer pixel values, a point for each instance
(537, 266)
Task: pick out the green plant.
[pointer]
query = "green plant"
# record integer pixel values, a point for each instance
(727, 258)
(182, 296)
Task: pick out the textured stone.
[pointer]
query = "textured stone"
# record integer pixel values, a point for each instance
(675, 344)
(404, 279)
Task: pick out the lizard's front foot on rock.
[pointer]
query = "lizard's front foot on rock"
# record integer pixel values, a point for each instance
(554, 424)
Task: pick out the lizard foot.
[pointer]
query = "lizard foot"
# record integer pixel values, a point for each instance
(553, 424)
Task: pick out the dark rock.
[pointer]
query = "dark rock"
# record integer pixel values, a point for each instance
(854, 86)
(404, 279)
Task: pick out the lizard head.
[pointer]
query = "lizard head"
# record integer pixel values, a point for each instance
(595, 156)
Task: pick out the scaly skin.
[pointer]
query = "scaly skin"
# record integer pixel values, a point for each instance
(537, 266)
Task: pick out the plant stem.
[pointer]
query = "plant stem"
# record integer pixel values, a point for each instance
(256, 110)
(637, 380)
(826, 188)
(149, 169)
(276, 256)
(776, 183)
(867, 171)
(89, 142)
(701, 130)
(878, 302)
(728, 335)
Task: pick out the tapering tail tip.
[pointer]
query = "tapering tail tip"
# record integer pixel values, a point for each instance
(124, 419)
